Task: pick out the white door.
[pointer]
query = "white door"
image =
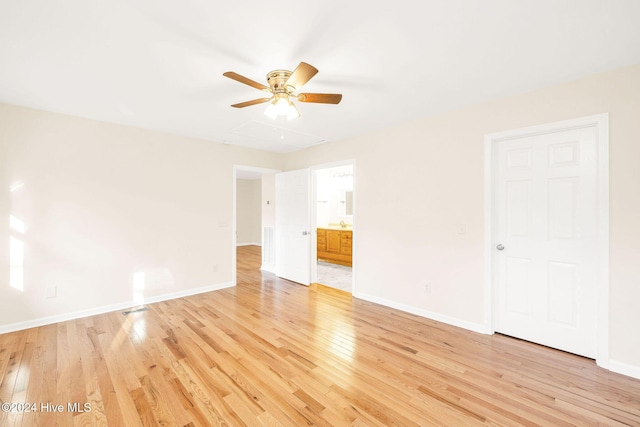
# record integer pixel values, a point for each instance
(547, 239)
(293, 219)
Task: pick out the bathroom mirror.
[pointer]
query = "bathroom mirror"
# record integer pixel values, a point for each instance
(346, 203)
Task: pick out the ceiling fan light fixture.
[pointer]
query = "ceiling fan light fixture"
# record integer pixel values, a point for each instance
(281, 105)
(292, 111)
(271, 111)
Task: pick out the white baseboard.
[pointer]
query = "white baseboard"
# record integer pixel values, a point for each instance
(624, 369)
(248, 244)
(471, 326)
(13, 327)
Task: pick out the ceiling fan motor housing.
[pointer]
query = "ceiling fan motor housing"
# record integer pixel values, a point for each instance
(277, 80)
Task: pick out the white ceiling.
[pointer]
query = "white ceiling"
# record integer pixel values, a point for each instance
(158, 64)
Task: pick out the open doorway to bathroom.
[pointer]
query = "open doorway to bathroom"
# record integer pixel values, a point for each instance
(334, 226)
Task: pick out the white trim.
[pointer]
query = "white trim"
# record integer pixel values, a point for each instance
(601, 123)
(624, 369)
(268, 246)
(471, 326)
(313, 224)
(12, 327)
(249, 244)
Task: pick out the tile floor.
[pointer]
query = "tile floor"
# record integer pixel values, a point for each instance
(335, 276)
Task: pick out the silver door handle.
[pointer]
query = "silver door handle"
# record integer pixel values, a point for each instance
(305, 233)
(500, 247)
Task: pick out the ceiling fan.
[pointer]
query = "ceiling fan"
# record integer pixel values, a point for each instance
(282, 88)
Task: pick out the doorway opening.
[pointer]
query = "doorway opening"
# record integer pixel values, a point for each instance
(334, 197)
(254, 213)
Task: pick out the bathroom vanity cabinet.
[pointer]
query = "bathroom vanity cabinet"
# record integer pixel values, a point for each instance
(335, 245)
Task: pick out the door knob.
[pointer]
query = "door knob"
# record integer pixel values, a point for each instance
(500, 247)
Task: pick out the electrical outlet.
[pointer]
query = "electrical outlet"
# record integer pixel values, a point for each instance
(215, 268)
(427, 287)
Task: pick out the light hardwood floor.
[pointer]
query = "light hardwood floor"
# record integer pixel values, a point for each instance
(270, 352)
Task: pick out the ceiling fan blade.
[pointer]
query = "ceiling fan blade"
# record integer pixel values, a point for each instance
(242, 79)
(321, 98)
(248, 103)
(301, 75)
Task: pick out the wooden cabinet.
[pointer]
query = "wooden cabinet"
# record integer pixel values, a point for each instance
(335, 246)
(322, 240)
(333, 241)
(345, 242)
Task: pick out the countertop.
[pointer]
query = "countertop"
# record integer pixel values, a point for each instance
(349, 227)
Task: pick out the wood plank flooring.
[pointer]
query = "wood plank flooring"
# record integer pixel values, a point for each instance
(270, 352)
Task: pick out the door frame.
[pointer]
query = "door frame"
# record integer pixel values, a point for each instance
(234, 235)
(314, 219)
(601, 124)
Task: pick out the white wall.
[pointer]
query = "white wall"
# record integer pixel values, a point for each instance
(102, 202)
(416, 183)
(249, 211)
